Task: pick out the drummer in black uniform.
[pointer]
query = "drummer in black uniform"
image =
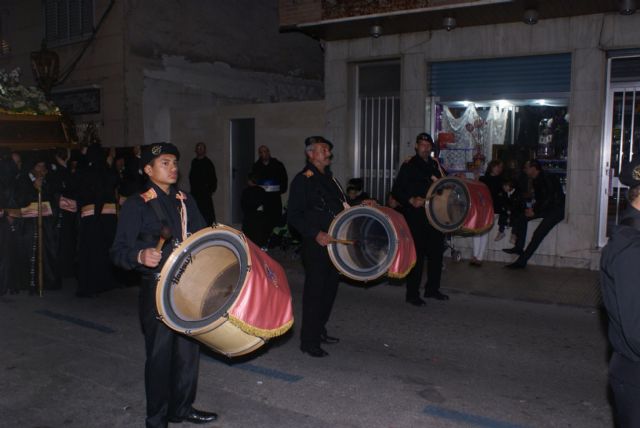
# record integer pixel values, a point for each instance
(171, 369)
(314, 200)
(415, 177)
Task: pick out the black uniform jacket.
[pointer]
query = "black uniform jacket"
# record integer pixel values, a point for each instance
(619, 279)
(139, 226)
(273, 173)
(202, 176)
(414, 179)
(548, 193)
(314, 200)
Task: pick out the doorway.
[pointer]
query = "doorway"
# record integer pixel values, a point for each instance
(242, 142)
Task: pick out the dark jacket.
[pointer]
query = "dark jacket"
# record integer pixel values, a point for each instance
(139, 226)
(548, 193)
(494, 183)
(272, 174)
(314, 200)
(414, 179)
(202, 177)
(619, 273)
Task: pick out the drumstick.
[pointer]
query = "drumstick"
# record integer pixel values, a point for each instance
(343, 241)
(165, 233)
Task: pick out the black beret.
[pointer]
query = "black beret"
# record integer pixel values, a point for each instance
(630, 172)
(152, 151)
(317, 139)
(424, 136)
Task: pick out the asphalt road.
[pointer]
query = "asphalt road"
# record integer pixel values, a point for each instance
(472, 361)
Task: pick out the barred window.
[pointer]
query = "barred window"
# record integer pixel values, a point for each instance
(68, 20)
(5, 48)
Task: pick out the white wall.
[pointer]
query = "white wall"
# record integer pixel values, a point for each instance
(280, 126)
(587, 38)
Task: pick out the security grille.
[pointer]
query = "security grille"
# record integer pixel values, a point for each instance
(68, 20)
(378, 148)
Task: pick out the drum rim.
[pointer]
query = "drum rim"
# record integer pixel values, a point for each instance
(379, 269)
(176, 260)
(427, 206)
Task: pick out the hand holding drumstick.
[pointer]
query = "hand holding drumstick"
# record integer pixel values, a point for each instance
(150, 257)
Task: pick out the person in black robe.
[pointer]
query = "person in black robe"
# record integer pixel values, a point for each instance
(11, 170)
(619, 272)
(66, 213)
(271, 175)
(254, 217)
(6, 188)
(203, 182)
(97, 228)
(28, 185)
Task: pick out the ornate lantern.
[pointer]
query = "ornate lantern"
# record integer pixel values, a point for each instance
(45, 65)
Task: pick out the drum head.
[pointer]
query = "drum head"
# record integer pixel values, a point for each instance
(447, 204)
(202, 278)
(372, 243)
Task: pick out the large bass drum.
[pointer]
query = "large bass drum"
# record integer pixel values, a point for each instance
(221, 289)
(371, 241)
(458, 205)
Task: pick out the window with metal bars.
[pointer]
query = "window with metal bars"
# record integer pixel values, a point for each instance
(68, 21)
(377, 146)
(5, 48)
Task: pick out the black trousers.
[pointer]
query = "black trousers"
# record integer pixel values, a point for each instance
(624, 379)
(549, 220)
(320, 289)
(95, 271)
(431, 246)
(171, 367)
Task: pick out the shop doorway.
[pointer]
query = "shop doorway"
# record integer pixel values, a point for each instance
(242, 142)
(621, 139)
(622, 143)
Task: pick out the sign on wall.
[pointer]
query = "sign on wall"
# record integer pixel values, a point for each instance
(78, 101)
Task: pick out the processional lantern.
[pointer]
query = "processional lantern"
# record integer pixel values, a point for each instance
(45, 65)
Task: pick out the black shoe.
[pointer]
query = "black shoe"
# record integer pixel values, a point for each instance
(513, 250)
(416, 301)
(314, 351)
(195, 417)
(516, 265)
(325, 338)
(437, 295)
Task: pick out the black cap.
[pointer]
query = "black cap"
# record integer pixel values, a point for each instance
(630, 172)
(317, 139)
(424, 136)
(152, 151)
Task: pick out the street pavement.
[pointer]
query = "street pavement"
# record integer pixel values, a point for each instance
(510, 349)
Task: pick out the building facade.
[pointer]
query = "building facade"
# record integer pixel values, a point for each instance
(560, 86)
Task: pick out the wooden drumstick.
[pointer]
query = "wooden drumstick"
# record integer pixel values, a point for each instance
(343, 241)
(165, 233)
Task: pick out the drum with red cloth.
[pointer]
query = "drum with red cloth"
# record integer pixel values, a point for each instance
(370, 241)
(461, 206)
(221, 289)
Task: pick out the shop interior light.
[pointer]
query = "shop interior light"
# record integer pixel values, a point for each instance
(541, 102)
(465, 103)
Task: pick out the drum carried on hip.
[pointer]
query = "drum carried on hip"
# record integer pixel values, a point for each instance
(371, 241)
(459, 205)
(222, 290)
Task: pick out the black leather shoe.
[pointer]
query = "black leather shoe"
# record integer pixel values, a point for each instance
(325, 338)
(314, 351)
(416, 301)
(516, 265)
(513, 250)
(195, 416)
(437, 295)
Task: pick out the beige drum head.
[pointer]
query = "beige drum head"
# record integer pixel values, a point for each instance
(447, 204)
(200, 282)
(372, 246)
